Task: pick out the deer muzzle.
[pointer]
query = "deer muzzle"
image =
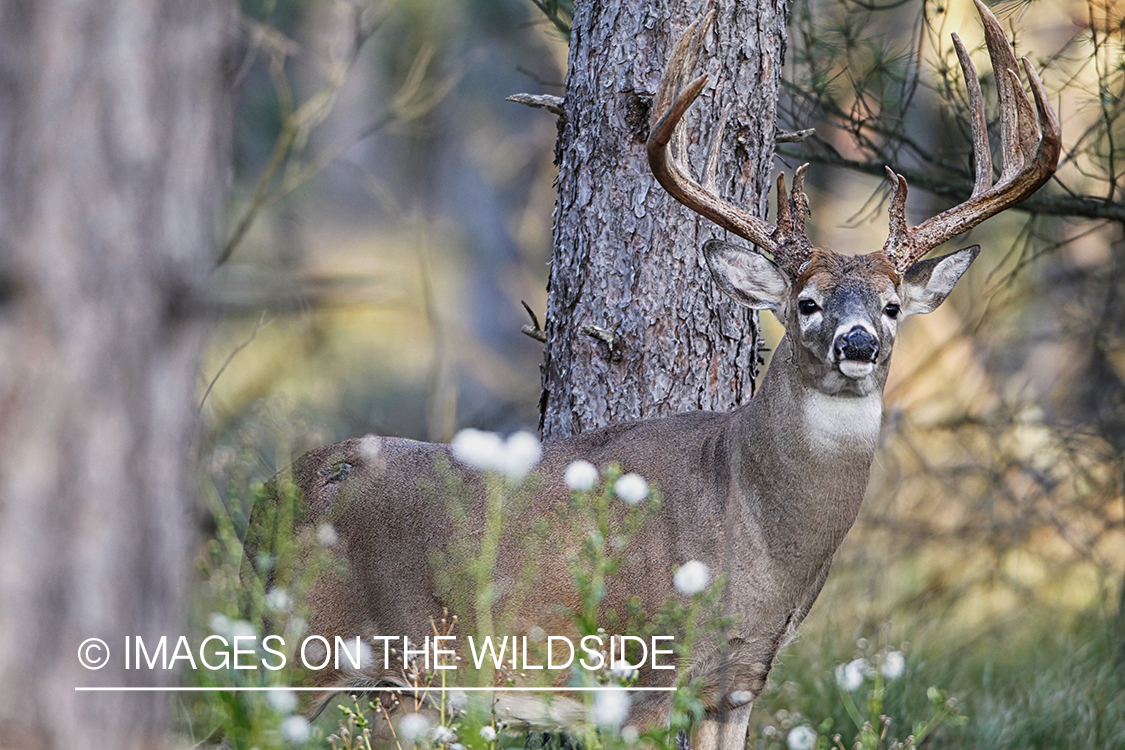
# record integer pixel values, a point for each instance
(856, 351)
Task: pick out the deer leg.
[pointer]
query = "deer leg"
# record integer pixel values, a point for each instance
(723, 731)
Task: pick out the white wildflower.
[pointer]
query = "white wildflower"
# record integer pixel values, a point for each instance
(536, 634)
(282, 701)
(801, 738)
(610, 709)
(326, 535)
(630, 734)
(220, 624)
(632, 488)
(242, 629)
(894, 665)
(369, 447)
(313, 651)
(488, 734)
(479, 449)
(348, 655)
(413, 727)
(741, 697)
(692, 577)
(850, 676)
(521, 453)
(457, 700)
(581, 476)
(278, 600)
(487, 451)
(622, 670)
(443, 735)
(295, 729)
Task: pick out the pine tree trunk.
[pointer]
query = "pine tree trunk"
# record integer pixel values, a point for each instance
(111, 180)
(627, 257)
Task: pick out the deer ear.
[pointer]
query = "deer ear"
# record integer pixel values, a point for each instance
(928, 282)
(747, 277)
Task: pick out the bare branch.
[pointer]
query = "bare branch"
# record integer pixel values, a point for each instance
(538, 101)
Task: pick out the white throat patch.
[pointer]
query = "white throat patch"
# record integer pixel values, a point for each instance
(839, 422)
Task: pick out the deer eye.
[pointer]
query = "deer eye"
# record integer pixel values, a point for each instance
(891, 310)
(807, 306)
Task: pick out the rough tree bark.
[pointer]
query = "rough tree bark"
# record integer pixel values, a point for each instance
(627, 258)
(111, 177)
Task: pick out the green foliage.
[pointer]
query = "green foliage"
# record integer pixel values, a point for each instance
(878, 699)
(559, 12)
(1042, 683)
(1063, 691)
(252, 596)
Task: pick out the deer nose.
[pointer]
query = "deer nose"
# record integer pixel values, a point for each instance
(857, 344)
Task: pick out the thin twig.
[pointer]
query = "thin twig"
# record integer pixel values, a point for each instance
(261, 323)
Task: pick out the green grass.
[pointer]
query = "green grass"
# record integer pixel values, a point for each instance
(1047, 680)
(1065, 690)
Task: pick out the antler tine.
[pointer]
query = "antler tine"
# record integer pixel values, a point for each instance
(669, 162)
(1030, 143)
(1028, 129)
(792, 208)
(784, 215)
(898, 229)
(695, 41)
(799, 182)
(671, 82)
(793, 247)
(1050, 135)
(1003, 60)
(799, 200)
(711, 166)
(982, 153)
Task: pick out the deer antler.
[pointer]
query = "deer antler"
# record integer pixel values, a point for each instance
(667, 156)
(1029, 145)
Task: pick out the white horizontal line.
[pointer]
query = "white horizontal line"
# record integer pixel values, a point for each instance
(370, 689)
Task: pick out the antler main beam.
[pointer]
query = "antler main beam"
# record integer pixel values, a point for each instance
(667, 156)
(1030, 143)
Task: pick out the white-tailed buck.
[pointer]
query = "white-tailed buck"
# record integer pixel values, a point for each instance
(763, 495)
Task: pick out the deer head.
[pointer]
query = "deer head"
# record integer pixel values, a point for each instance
(841, 312)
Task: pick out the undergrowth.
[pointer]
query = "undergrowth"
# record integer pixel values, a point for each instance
(1047, 680)
(1044, 680)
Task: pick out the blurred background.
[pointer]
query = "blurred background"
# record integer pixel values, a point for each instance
(413, 214)
(392, 211)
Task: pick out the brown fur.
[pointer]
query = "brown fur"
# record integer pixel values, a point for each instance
(830, 268)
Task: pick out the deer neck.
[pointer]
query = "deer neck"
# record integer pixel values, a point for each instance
(807, 455)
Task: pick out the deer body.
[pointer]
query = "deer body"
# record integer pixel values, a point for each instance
(735, 495)
(763, 495)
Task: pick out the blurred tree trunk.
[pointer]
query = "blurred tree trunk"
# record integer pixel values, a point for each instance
(627, 258)
(112, 149)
